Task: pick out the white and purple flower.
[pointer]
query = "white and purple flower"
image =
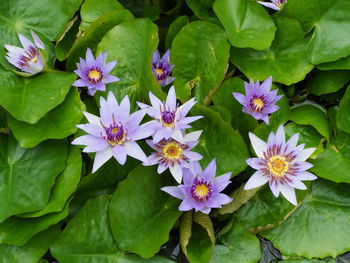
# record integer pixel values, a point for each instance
(169, 119)
(29, 59)
(94, 74)
(201, 189)
(175, 155)
(275, 4)
(161, 68)
(114, 133)
(259, 100)
(280, 163)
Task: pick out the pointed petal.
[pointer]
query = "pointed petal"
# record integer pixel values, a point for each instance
(256, 180)
(173, 191)
(135, 151)
(109, 67)
(186, 107)
(259, 145)
(280, 136)
(92, 118)
(90, 60)
(222, 181)
(119, 154)
(176, 171)
(192, 156)
(101, 158)
(295, 183)
(38, 43)
(210, 170)
(306, 176)
(266, 85)
(240, 98)
(269, 5)
(156, 56)
(186, 205)
(26, 43)
(255, 163)
(289, 193)
(80, 83)
(161, 168)
(171, 99)
(188, 177)
(304, 154)
(193, 136)
(110, 78)
(156, 103)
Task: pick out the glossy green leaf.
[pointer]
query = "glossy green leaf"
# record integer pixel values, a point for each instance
(200, 52)
(56, 124)
(342, 63)
(202, 8)
(330, 22)
(46, 16)
(219, 140)
(27, 175)
(324, 82)
(223, 97)
(29, 99)
(307, 134)
(238, 245)
(334, 163)
(204, 221)
(343, 117)
(186, 230)
(93, 35)
(285, 60)
(247, 23)
(326, 213)
(65, 42)
(17, 231)
(134, 60)
(174, 29)
(309, 114)
(65, 185)
(33, 250)
(93, 9)
(199, 249)
(138, 219)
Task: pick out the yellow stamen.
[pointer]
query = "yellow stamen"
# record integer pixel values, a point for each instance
(94, 74)
(34, 59)
(201, 190)
(115, 130)
(278, 165)
(159, 71)
(258, 104)
(172, 150)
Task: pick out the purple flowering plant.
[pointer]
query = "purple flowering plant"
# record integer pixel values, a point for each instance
(166, 166)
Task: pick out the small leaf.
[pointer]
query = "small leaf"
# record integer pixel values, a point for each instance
(204, 221)
(343, 117)
(186, 230)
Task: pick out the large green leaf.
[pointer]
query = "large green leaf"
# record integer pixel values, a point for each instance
(17, 231)
(343, 117)
(285, 60)
(330, 22)
(56, 124)
(93, 9)
(324, 82)
(342, 63)
(174, 29)
(199, 249)
(65, 185)
(321, 220)
(46, 16)
(202, 8)
(309, 114)
(238, 245)
(33, 250)
(29, 99)
(200, 53)
(88, 238)
(334, 163)
(27, 175)
(132, 44)
(223, 97)
(219, 140)
(247, 23)
(93, 35)
(141, 214)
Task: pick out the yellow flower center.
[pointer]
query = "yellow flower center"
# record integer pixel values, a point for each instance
(94, 74)
(159, 71)
(34, 59)
(172, 150)
(278, 165)
(258, 103)
(115, 130)
(201, 191)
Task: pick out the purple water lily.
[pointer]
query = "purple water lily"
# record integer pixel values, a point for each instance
(161, 68)
(259, 100)
(114, 133)
(275, 4)
(201, 190)
(94, 74)
(280, 163)
(175, 155)
(28, 59)
(169, 118)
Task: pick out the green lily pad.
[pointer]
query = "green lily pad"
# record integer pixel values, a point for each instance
(138, 218)
(56, 124)
(174, 29)
(247, 23)
(93, 9)
(202, 8)
(29, 99)
(27, 175)
(17, 231)
(238, 245)
(33, 250)
(329, 21)
(200, 53)
(326, 213)
(134, 60)
(219, 140)
(285, 60)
